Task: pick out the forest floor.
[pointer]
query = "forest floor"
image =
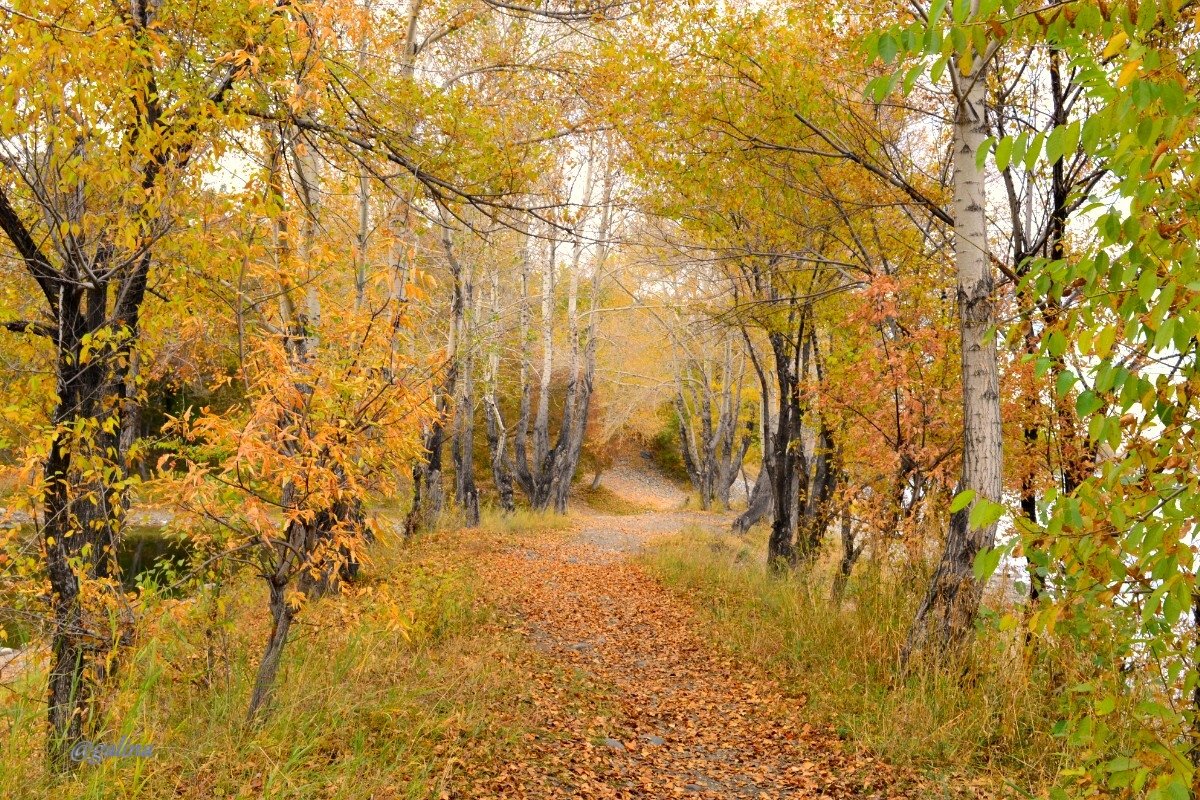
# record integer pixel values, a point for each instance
(635, 700)
(518, 662)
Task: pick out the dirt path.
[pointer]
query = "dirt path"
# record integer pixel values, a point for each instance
(635, 701)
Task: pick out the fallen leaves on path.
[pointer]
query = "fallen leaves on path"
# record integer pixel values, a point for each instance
(634, 703)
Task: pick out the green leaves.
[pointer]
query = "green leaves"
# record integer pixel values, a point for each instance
(1087, 403)
(986, 562)
(984, 513)
(887, 47)
(1004, 152)
(1062, 140)
(962, 500)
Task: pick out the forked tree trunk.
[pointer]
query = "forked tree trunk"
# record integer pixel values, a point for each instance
(540, 496)
(546, 480)
(711, 451)
(429, 496)
(818, 484)
(946, 615)
(520, 460)
(428, 491)
(532, 477)
(759, 503)
(570, 440)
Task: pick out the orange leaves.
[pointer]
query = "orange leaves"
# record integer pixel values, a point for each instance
(635, 704)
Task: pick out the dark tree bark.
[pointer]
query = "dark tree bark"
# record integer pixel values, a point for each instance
(783, 465)
(81, 517)
(428, 492)
(762, 499)
(819, 480)
(851, 550)
(758, 505)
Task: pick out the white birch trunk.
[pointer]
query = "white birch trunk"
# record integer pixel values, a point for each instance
(947, 613)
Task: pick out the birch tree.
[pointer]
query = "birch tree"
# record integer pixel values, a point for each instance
(948, 611)
(713, 438)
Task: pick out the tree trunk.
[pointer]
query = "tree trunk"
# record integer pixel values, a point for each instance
(80, 528)
(520, 465)
(945, 616)
(540, 498)
(783, 467)
(761, 500)
(759, 503)
(268, 667)
(466, 496)
(711, 453)
(497, 434)
(571, 436)
(428, 494)
(547, 480)
(851, 550)
(815, 514)
(559, 465)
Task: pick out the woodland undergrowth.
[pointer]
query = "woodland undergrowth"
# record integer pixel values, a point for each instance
(389, 690)
(991, 721)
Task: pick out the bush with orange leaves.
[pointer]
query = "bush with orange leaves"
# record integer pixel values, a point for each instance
(281, 482)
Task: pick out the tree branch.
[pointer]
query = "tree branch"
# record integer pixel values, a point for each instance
(48, 278)
(29, 326)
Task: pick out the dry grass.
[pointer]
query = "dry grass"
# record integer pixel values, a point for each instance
(385, 694)
(606, 501)
(990, 716)
(522, 521)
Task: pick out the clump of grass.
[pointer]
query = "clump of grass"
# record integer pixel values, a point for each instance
(384, 692)
(523, 520)
(606, 501)
(992, 713)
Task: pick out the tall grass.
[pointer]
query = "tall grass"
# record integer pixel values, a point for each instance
(521, 521)
(992, 713)
(383, 693)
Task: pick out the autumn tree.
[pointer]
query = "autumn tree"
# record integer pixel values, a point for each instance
(114, 116)
(708, 401)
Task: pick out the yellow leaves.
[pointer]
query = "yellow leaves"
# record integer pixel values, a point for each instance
(966, 62)
(1128, 73)
(1116, 44)
(415, 292)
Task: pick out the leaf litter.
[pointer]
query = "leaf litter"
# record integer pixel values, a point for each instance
(633, 702)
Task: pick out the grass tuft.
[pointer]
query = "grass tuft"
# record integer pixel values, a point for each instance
(606, 501)
(523, 520)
